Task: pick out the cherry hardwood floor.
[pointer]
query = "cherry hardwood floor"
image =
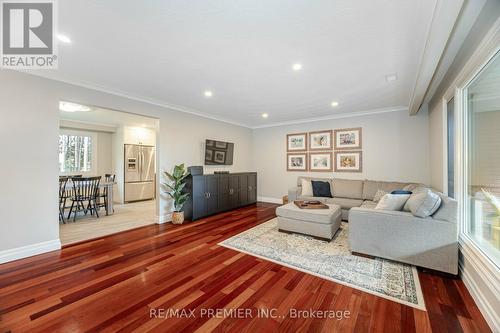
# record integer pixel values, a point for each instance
(129, 281)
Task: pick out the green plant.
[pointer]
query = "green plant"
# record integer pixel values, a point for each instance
(176, 185)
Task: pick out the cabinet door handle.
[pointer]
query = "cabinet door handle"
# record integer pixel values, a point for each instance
(209, 195)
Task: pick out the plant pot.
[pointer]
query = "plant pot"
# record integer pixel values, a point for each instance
(178, 217)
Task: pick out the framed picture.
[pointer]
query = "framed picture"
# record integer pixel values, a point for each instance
(210, 143)
(321, 140)
(219, 156)
(209, 155)
(348, 161)
(296, 162)
(220, 144)
(349, 138)
(320, 161)
(296, 142)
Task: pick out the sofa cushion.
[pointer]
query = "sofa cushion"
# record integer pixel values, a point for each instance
(448, 209)
(370, 187)
(424, 203)
(345, 203)
(307, 189)
(414, 192)
(321, 189)
(392, 202)
(369, 204)
(347, 188)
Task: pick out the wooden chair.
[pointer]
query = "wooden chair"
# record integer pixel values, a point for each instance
(104, 193)
(63, 181)
(85, 195)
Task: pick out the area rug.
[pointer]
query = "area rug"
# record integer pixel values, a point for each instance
(331, 261)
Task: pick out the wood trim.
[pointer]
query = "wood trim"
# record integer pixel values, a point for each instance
(322, 148)
(297, 150)
(350, 152)
(306, 166)
(360, 146)
(321, 153)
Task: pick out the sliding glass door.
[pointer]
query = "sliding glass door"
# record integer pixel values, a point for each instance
(482, 168)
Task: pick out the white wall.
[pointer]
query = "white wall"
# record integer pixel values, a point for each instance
(29, 129)
(395, 148)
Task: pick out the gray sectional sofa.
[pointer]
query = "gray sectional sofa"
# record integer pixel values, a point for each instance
(430, 242)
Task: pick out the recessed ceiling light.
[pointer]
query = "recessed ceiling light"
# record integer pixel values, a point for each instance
(64, 39)
(391, 77)
(208, 93)
(265, 115)
(334, 104)
(73, 107)
(297, 67)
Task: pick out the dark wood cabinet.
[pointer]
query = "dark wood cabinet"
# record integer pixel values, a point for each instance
(210, 194)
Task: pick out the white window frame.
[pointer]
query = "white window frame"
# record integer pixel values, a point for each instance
(93, 136)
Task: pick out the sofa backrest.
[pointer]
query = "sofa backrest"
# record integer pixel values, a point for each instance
(329, 180)
(371, 187)
(347, 188)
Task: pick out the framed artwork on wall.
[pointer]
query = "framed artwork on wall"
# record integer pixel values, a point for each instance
(296, 142)
(296, 162)
(320, 140)
(348, 138)
(321, 162)
(349, 161)
(219, 156)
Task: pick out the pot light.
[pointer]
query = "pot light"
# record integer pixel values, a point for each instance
(334, 104)
(297, 67)
(265, 115)
(391, 77)
(73, 107)
(208, 93)
(63, 38)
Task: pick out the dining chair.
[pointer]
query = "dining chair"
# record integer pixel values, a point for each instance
(63, 181)
(103, 193)
(85, 191)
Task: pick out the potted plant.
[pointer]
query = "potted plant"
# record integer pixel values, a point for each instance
(175, 186)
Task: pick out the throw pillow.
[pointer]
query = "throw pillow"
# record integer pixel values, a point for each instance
(378, 195)
(414, 191)
(392, 202)
(424, 203)
(321, 189)
(401, 192)
(307, 189)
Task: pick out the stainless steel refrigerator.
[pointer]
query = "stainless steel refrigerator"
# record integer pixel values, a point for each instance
(139, 173)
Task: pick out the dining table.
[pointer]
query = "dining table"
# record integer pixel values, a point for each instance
(103, 184)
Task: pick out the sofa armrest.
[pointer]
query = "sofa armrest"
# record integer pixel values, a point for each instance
(294, 193)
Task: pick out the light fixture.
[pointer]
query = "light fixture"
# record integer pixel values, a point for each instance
(297, 67)
(63, 38)
(265, 115)
(73, 107)
(334, 104)
(391, 77)
(208, 93)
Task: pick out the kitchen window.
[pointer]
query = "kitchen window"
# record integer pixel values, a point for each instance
(77, 152)
(482, 167)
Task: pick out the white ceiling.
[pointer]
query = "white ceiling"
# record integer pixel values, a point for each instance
(170, 52)
(106, 117)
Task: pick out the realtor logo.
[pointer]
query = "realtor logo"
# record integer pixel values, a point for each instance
(28, 34)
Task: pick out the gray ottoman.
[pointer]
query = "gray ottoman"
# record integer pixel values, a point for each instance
(320, 223)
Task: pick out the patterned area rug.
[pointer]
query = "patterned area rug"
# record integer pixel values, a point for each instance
(331, 261)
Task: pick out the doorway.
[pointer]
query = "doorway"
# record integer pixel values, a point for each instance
(108, 176)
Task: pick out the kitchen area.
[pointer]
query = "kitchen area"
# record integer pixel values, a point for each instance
(107, 171)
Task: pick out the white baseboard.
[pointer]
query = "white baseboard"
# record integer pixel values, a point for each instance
(482, 281)
(270, 200)
(29, 250)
